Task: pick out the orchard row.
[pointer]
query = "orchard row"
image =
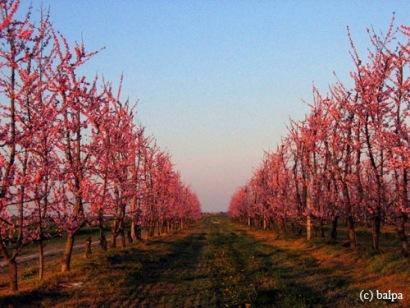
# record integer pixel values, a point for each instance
(71, 153)
(348, 159)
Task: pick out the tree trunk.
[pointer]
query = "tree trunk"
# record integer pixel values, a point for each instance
(309, 233)
(333, 234)
(309, 223)
(376, 230)
(158, 228)
(40, 259)
(122, 236)
(352, 232)
(13, 275)
(322, 228)
(151, 229)
(129, 237)
(114, 231)
(133, 231)
(284, 230)
(88, 251)
(309, 228)
(292, 225)
(401, 231)
(139, 232)
(114, 240)
(103, 240)
(68, 250)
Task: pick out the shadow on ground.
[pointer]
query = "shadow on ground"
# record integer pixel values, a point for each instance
(213, 265)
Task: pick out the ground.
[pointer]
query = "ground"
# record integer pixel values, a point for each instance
(218, 263)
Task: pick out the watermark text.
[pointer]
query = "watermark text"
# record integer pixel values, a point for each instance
(370, 295)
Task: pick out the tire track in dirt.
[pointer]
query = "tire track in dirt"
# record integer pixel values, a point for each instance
(230, 284)
(206, 269)
(167, 280)
(219, 265)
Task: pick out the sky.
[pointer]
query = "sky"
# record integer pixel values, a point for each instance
(217, 81)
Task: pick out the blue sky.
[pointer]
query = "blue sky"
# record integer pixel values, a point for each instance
(217, 81)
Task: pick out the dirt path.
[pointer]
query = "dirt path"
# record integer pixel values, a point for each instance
(47, 252)
(215, 264)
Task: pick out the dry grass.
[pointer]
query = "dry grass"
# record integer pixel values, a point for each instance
(362, 267)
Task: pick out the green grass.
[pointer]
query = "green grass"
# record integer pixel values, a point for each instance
(215, 264)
